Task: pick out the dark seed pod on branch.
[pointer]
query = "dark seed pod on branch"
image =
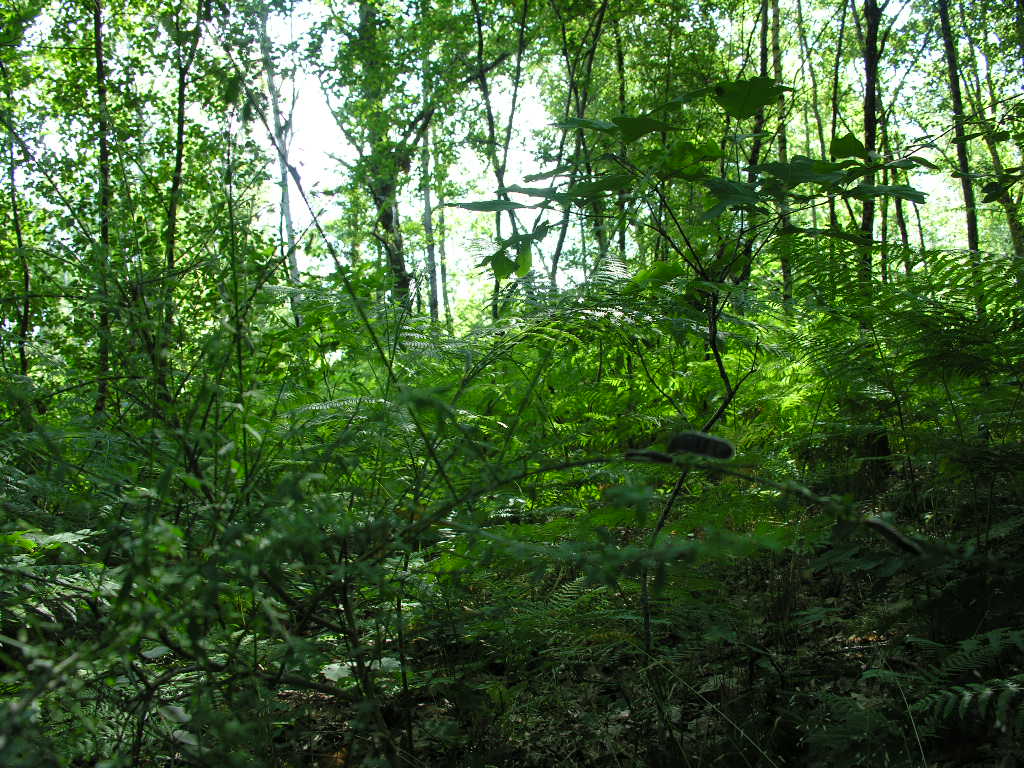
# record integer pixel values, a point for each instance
(702, 444)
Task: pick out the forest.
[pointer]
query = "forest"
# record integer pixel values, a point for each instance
(512, 383)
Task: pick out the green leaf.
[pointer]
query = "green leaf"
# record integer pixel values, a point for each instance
(847, 146)
(502, 265)
(524, 261)
(657, 274)
(18, 539)
(967, 137)
(14, 21)
(857, 238)
(803, 170)
(690, 96)
(745, 98)
(185, 738)
(515, 242)
(491, 205)
(586, 123)
(729, 194)
(596, 188)
(993, 190)
(559, 171)
(900, 191)
(174, 713)
(633, 128)
(545, 192)
(232, 88)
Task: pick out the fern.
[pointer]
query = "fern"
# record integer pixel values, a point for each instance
(998, 701)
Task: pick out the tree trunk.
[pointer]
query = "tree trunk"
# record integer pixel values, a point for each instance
(620, 76)
(963, 162)
(24, 320)
(165, 324)
(872, 21)
(102, 248)
(428, 229)
(282, 131)
(784, 262)
(833, 218)
(386, 162)
(747, 261)
(819, 123)
(976, 98)
(442, 258)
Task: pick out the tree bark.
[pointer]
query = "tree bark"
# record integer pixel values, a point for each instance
(976, 98)
(102, 248)
(872, 21)
(162, 343)
(282, 136)
(960, 139)
(428, 229)
(24, 320)
(442, 258)
(784, 262)
(386, 162)
(833, 218)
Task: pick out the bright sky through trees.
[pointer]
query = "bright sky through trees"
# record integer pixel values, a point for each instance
(649, 393)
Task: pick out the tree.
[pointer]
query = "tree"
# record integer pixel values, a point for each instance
(963, 163)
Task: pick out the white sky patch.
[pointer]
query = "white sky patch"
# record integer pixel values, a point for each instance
(319, 151)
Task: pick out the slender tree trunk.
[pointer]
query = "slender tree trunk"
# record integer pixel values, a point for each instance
(898, 207)
(428, 228)
(442, 258)
(833, 218)
(499, 162)
(872, 21)
(282, 137)
(385, 163)
(963, 162)
(579, 61)
(785, 264)
(425, 180)
(24, 320)
(102, 261)
(620, 75)
(747, 261)
(976, 98)
(165, 329)
(806, 59)
(819, 122)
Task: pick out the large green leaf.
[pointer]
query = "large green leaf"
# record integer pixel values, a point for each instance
(519, 241)
(597, 187)
(544, 192)
(502, 265)
(730, 194)
(803, 170)
(559, 171)
(688, 97)
(524, 260)
(900, 191)
(847, 146)
(857, 238)
(657, 274)
(745, 98)
(491, 205)
(586, 123)
(633, 128)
